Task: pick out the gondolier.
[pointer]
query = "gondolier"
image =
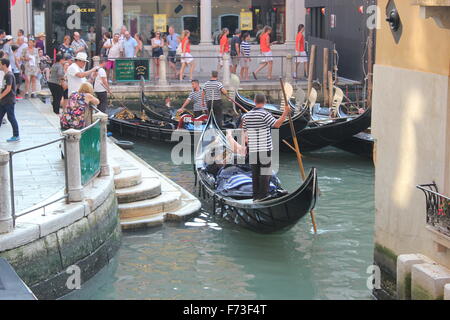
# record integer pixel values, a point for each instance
(212, 94)
(196, 97)
(258, 124)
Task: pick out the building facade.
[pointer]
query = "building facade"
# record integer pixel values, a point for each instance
(411, 125)
(204, 18)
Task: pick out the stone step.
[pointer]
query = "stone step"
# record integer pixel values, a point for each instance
(166, 202)
(128, 178)
(142, 222)
(149, 188)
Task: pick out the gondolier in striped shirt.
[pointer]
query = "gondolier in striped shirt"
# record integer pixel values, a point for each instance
(196, 96)
(258, 124)
(212, 94)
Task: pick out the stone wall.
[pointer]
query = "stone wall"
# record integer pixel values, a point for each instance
(86, 235)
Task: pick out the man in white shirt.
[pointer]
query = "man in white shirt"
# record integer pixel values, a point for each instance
(101, 87)
(76, 75)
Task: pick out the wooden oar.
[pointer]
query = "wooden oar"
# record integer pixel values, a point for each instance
(235, 102)
(297, 150)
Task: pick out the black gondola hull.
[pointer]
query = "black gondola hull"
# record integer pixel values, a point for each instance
(361, 144)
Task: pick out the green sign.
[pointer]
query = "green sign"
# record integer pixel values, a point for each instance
(128, 70)
(90, 153)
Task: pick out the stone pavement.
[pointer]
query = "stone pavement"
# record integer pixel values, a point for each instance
(38, 174)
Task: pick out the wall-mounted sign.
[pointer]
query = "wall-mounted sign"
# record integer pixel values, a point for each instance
(246, 20)
(160, 22)
(129, 70)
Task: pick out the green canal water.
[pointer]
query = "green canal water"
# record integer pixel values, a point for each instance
(206, 258)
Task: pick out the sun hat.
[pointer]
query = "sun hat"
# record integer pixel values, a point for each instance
(8, 37)
(82, 56)
(41, 34)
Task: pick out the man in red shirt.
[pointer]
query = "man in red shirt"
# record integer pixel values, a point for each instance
(266, 51)
(300, 52)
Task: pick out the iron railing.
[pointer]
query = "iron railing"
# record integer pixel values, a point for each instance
(11, 179)
(438, 208)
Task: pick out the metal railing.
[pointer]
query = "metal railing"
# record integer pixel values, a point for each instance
(438, 208)
(11, 179)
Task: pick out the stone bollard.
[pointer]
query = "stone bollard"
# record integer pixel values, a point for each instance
(6, 221)
(226, 70)
(289, 68)
(73, 165)
(104, 167)
(162, 71)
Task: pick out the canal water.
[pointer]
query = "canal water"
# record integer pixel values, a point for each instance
(206, 258)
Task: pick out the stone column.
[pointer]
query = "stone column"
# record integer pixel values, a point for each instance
(162, 71)
(74, 164)
(205, 22)
(226, 70)
(6, 221)
(104, 166)
(291, 28)
(117, 15)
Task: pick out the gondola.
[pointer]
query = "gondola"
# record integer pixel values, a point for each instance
(330, 132)
(321, 131)
(361, 144)
(274, 215)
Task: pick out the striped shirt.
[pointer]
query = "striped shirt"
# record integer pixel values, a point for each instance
(212, 90)
(245, 48)
(196, 97)
(258, 124)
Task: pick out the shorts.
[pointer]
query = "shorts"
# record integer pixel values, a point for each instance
(245, 62)
(187, 58)
(110, 65)
(302, 57)
(235, 60)
(172, 57)
(267, 57)
(32, 71)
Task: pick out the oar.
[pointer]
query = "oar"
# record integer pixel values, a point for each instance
(297, 149)
(237, 104)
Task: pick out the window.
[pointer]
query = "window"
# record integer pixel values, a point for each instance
(138, 16)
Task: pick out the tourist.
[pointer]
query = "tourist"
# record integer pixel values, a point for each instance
(16, 69)
(101, 86)
(123, 31)
(106, 39)
(8, 99)
(21, 33)
(235, 51)
(79, 45)
(91, 37)
(45, 64)
(75, 115)
(55, 82)
(65, 47)
(30, 58)
(300, 52)
(258, 124)
(76, 75)
(212, 94)
(224, 46)
(266, 51)
(196, 97)
(40, 42)
(130, 46)
(2, 38)
(140, 46)
(186, 56)
(245, 56)
(173, 41)
(114, 49)
(157, 51)
(69, 61)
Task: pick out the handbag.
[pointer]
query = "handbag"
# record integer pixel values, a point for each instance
(180, 49)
